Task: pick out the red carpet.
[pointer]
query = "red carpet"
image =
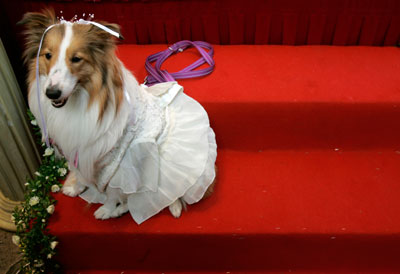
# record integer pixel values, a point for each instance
(213, 272)
(309, 159)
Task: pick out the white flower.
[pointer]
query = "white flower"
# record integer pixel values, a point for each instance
(43, 220)
(34, 201)
(62, 171)
(13, 218)
(50, 209)
(38, 174)
(49, 256)
(47, 177)
(34, 122)
(27, 184)
(53, 244)
(15, 239)
(40, 264)
(49, 151)
(55, 188)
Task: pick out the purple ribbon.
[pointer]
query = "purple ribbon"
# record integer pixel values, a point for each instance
(157, 75)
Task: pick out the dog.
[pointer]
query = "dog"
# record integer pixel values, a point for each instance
(130, 147)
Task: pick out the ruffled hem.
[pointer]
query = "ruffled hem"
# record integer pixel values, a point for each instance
(143, 206)
(187, 158)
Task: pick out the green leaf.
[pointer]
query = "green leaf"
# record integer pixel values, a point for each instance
(34, 235)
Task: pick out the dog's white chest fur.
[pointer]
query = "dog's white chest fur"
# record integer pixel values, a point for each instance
(76, 129)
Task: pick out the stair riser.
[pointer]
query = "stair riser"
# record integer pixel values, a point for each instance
(238, 252)
(258, 126)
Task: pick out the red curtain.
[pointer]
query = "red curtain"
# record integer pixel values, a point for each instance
(289, 22)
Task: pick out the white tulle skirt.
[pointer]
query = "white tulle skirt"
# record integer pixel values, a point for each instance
(178, 163)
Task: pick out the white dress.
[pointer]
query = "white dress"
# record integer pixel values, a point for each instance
(168, 151)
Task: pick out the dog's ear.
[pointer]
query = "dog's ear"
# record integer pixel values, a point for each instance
(101, 41)
(35, 23)
(113, 27)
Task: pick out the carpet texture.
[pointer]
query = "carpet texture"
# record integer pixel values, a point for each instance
(309, 158)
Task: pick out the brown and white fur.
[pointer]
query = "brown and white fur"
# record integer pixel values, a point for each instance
(82, 98)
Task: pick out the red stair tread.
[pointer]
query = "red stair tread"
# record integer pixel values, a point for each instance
(273, 192)
(300, 206)
(217, 272)
(285, 97)
(170, 272)
(260, 73)
(272, 210)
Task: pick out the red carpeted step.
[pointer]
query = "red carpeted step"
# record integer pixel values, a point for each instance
(219, 272)
(180, 272)
(272, 210)
(276, 74)
(287, 97)
(309, 158)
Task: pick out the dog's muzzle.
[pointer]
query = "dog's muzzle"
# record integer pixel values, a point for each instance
(54, 94)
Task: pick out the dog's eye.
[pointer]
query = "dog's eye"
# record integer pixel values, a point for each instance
(76, 59)
(48, 56)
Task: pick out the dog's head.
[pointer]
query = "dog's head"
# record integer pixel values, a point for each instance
(72, 55)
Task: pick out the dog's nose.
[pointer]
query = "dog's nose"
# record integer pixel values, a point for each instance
(53, 93)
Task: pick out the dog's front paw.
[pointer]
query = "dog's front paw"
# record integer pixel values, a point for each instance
(103, 213)
(72, 190)
(71, 186)
(121, 209)
(176, 208)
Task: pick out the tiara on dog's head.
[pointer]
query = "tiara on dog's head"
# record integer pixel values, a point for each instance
(75, 18)
(86, 21)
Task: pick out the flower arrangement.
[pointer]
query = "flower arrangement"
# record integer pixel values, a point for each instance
(32, 236)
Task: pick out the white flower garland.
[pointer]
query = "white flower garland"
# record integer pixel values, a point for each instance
(36, 244)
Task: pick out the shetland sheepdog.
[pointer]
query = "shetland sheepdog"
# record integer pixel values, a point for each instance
(84, 92)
